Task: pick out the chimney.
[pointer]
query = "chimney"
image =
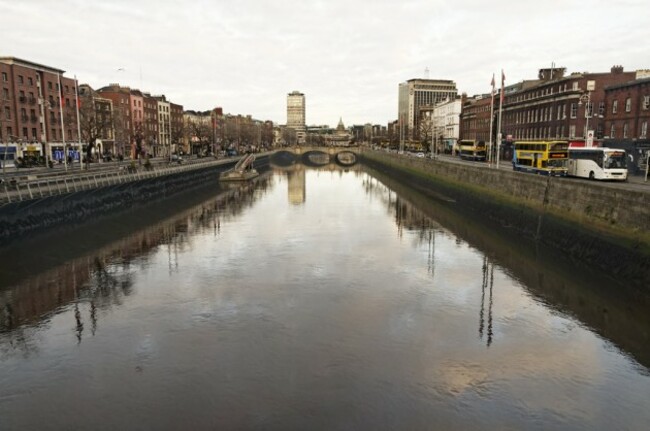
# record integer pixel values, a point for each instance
(616, 69)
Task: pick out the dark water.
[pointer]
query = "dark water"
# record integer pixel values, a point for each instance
(315, 300)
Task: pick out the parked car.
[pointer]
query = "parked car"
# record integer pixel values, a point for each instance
(421, 155)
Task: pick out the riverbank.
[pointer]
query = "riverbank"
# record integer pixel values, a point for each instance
(591, 224)
(23, 218)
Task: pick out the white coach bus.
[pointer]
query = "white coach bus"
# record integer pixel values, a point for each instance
(598, 163)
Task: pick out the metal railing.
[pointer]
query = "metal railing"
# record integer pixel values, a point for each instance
(18, 190)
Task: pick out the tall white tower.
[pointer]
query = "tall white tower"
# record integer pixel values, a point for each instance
(296, 110)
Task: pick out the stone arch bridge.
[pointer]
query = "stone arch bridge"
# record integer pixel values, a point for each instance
(317, 156)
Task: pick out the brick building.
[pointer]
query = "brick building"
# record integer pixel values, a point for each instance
(96, 120)
(627, 108)
(554, 106)
(475, 117)
(177, 131)
(150, 130)
(31, 108)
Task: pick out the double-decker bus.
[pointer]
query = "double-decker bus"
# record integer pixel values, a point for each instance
(541, 157)
(472, 150)
(598, 163)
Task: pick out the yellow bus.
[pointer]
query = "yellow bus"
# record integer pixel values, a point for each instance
(472, 150)
(541, 157)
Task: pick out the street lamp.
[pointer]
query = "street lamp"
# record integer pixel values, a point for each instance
(586, 99)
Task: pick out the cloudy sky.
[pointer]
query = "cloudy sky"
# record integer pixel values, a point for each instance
(347, 56)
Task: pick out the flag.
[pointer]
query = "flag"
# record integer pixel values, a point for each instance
(503, 79)
(76, 92)
(492, 83)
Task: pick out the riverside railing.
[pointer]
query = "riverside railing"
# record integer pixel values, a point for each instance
(18, 190)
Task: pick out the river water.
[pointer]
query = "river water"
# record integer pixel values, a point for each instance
(314, 299)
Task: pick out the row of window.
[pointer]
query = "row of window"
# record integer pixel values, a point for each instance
(544, 92)
(547, 132)
(645, 105)
(34, 134)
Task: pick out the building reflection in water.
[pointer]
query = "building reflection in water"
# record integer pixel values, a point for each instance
(85, 285)
(611, 307)
(296, 184)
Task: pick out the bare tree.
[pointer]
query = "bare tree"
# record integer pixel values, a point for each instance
(289, 135)
(95, 119)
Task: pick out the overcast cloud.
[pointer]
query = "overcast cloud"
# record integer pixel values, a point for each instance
(347, 56)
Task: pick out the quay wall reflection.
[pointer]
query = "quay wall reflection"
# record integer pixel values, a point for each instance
(32, 300)
(614, 309)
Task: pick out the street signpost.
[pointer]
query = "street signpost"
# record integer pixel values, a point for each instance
(590, 139)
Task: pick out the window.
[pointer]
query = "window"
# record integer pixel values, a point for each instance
(30, 81)
(53, 134)
(7, 113)
(574, 110)
(644, 130)
(25, 135)
(589, 110)
(49, 85)
(646, 102)
(574, 85)
(9, 132)
(628, 104)
(601, 108)
(624, 130)
(4, 76)
(614, 106)
(20, 79)
(34, 136)
(5, 93)
(612, 131)
(572, 131)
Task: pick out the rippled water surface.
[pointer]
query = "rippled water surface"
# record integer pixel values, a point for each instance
(317, 300)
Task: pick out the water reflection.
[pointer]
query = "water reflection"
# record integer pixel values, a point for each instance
(367, 306)
(102, 280)
(611, 307)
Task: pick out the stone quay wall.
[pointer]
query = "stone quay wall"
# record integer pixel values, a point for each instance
(18, 219)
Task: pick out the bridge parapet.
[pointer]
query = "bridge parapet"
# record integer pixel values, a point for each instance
(299, 150)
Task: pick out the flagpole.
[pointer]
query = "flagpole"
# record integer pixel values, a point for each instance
(76, 93)
(499, 124)
(490, 157)
(65, 153)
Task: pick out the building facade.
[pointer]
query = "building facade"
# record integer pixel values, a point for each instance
(164, 125)
(475, 116)
(627, 108)
(96, 121)
(446, 124)
(554, 106)
(415, 95)
(37, 108)
(177, 130)
(296, 114)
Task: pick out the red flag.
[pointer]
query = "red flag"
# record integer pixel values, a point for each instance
(503, 79)
(61, 94)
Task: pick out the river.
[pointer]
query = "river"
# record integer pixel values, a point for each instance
(314, 299)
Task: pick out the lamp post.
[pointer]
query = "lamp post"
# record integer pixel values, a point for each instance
(586, 99)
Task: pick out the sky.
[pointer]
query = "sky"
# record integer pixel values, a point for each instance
(347, 56)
